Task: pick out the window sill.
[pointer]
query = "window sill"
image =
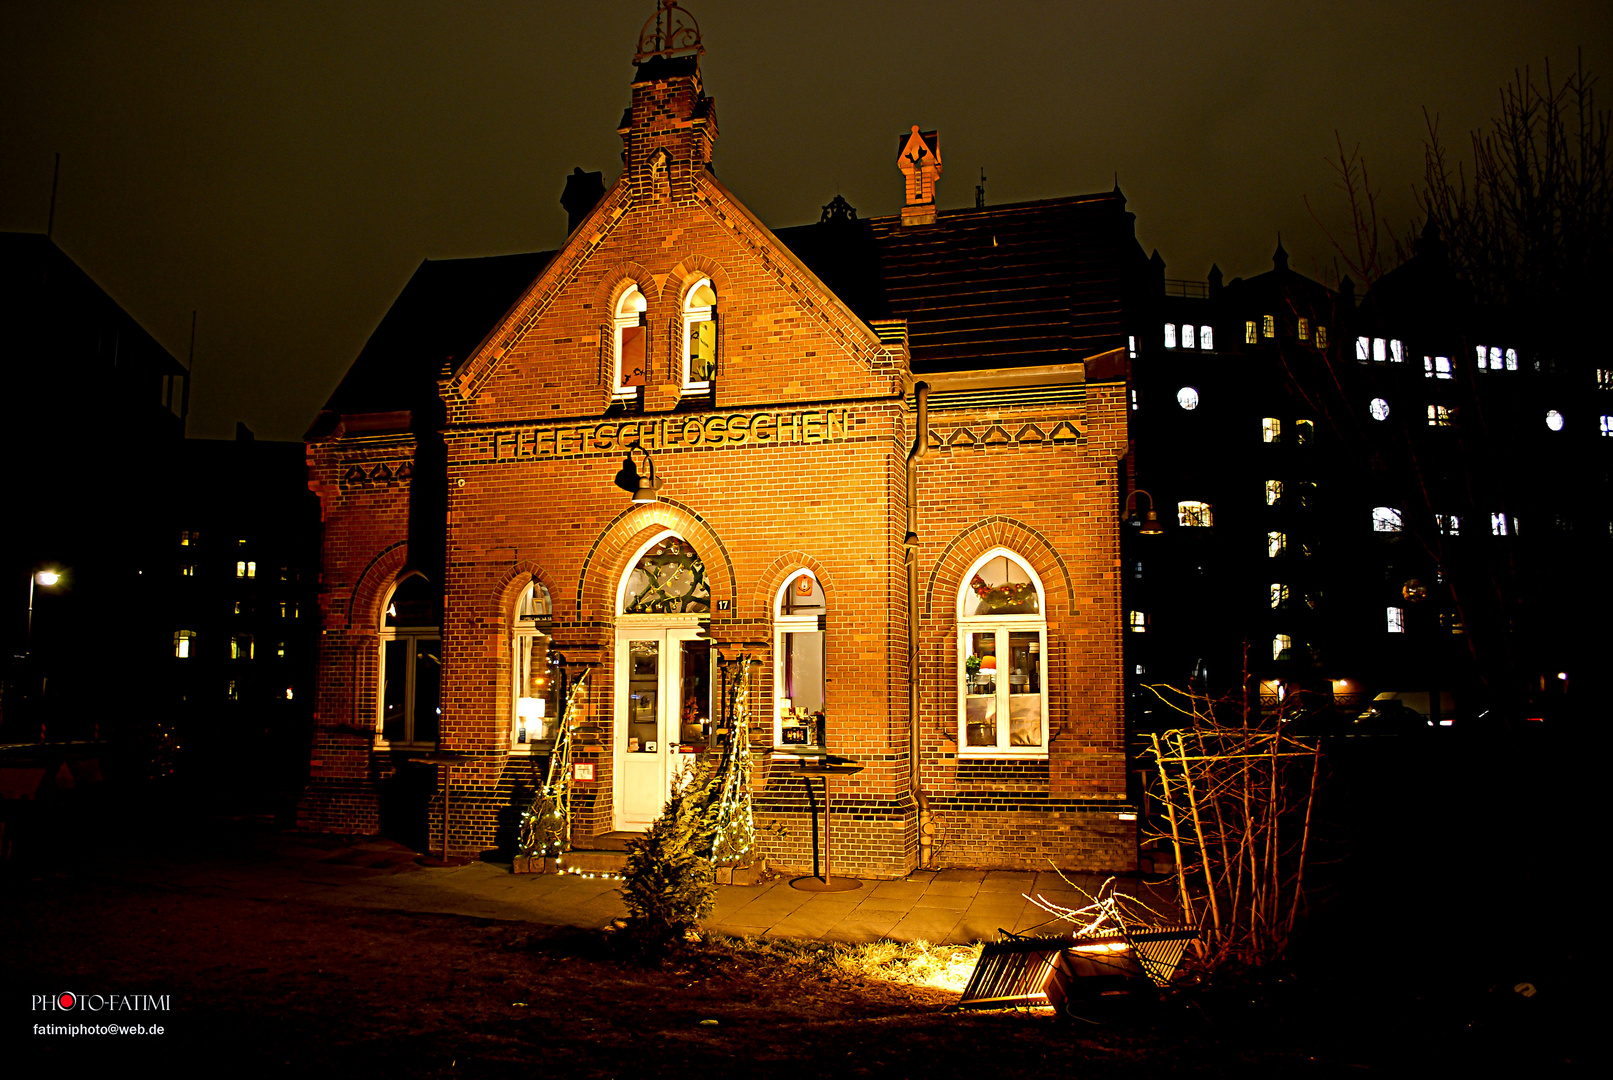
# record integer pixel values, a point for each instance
(984, 753)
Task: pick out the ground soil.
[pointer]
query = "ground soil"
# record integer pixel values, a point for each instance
(262, 987)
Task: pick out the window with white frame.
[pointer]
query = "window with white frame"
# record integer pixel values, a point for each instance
(1396, 620)
(632, 333)
(1206, 337)
(411, 664)
(800, 613)
(1386, 519)
(536, 677)
(1188, 339)
(1363, 348)
(1170, 335)
(700, 336)
(1002, 650)
(1191, 514)
(1495, 358)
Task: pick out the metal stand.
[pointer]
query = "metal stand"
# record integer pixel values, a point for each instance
(826, 883)
(448, 759)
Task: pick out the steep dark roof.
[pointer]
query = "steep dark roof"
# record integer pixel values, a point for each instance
(1002, 286)
(443, 313)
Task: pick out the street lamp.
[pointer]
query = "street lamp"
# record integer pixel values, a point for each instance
(642, 488)
(49, 578)
(1151, 525)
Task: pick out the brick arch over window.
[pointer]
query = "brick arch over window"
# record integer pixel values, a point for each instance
(1026, 542)
(606, 561)
(689, 269)
(364, 602)
(773, 577)
(508, 591)
(607, 293)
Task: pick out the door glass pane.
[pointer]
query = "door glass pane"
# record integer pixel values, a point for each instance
(1025, 688)
(980, 698)
(694, 715)
(427, 688)
(394, 691)
(643, 690)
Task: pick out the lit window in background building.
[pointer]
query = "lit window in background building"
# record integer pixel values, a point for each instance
(1397, 620)
(1378, 409)
(1385, 519)
(1206, 338)
(1604, 378)
(1279, 595)
(1304, 431)
(1449, 524)
(1380, 350)
(1249, 337)
(1193, 514)
(1436, 367)
(1397, 351)
(1268, 325)
(1276, 544)
(183, 642)
(1321, 337)
(1271, 429)
(1187, 398)
(1503, 524)
(1363, 348)
(1554, 420)
(1304, 329)
(1280, 646)
(1187, 336)
(1439, 416)
(1607, 425)
(1138, 622)
(1274, 492)
(241, 647)
(1170, 335)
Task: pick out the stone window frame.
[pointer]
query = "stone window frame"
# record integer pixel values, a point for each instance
(413, 635)
(787, 623)
(620, 321)
(534, 613)
(694, 315)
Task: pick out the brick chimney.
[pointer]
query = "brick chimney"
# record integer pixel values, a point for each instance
(668, 130)
(920, 161)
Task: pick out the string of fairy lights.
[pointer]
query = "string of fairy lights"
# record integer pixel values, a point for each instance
(733, 827)
(546, 824)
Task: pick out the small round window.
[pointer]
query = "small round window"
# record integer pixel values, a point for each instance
(1554, 420)
(1379, 408)
(1187, 398)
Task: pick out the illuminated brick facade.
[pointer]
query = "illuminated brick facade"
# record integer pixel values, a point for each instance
(795, 456)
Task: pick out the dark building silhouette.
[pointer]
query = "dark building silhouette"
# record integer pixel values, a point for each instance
(1408, 493)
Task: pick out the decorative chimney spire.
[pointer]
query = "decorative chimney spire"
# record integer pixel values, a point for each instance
(1279, 258)
(671, 31)
(669, 128)
(919, 158)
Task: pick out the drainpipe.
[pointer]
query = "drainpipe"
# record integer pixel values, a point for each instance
(910, 555)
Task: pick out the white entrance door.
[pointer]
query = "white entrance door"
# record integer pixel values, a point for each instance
(663, 714)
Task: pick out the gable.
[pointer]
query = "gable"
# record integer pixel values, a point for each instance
(783, 334)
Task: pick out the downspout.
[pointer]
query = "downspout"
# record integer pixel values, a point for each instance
(910, 555)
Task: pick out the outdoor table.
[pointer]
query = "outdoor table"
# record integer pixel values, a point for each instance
(824, 765)
(448, 759)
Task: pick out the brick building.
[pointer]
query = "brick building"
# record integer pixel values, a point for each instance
(891, 456)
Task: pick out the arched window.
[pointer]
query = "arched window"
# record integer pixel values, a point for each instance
(411, 663)
(799, 635)
(631, 332)
(700, 336)
(667, 578)
(537, 683)
(1002, 651)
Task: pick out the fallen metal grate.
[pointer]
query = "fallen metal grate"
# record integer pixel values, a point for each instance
(1012, 973)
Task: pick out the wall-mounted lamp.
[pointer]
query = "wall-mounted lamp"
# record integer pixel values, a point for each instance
(1151, 525)
(642, 488)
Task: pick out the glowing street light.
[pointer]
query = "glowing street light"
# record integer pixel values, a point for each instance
(1151, 525)
(49, 578)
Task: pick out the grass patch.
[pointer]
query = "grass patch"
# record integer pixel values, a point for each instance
(916, 963)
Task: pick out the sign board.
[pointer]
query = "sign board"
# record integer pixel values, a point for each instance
(582, 771)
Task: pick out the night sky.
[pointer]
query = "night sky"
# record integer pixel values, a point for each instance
(283, 167)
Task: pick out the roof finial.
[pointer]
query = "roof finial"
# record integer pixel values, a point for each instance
(1279, 258)
(671, 31)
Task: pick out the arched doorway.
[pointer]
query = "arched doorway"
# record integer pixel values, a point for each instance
(664, 680)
